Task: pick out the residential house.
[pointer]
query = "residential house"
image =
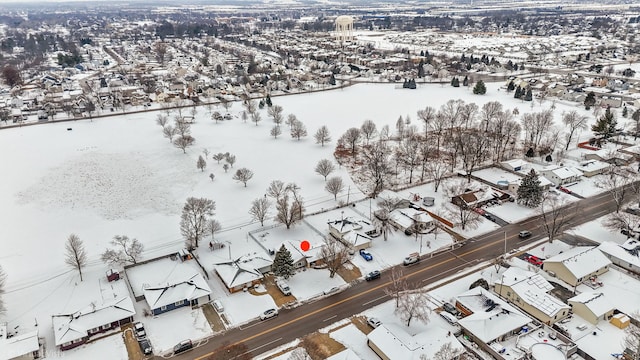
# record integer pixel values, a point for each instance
(169, 282)
(515, 165)
(243, 272)
(352, 233)
(20, 346)
(513, 186)
(561, 175)
(488, 318)
(115, 308)
(594, 167)
(529, 292)
(592, 306)
(623, 255)
(410, 218)
(610, 101)
(391, 341)
(578, 264)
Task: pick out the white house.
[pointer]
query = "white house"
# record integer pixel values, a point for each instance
(592, 306)
(561, 175)
(392, 342)
(624, 255)
(244, 272)
(19, 346)
(406, 218)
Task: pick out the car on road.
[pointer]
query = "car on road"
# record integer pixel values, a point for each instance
(411, 259)
(334, 289)
(184, 345)
(633, 211)
(139, 330)
(524, 234)
(375, 274)
(145, 346)
(374, 322)
(366, 255)
(269, 314)
(533, 260)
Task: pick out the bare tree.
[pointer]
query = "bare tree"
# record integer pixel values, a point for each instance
(218, 157)
(162, 120)
(226, 104)
(201, 163)
(250, 106)
(289, 206)
(473, 149)
(322, 136)
(631, 341)
(447, 352)
(334, 186)
(324, 168)
(298, 130)
(275, 112)
(212, 176)
(168, 131)
(182, 127)
(352, 138)
(465, 216)
(384, 133)
(75, 256)
(368, 129)
(206, 153)
(616, 181)
(276, 189)
(3, 281)
(213, 226)
(126, 251)
(230, 159)
(437, 170)
(243, 175)
(397, 284)
(376, 159)
(194, 218)
(410, 157)
(620, 221)
(256, 117)
(573, 122)
(427, 115)
(536, 125)
(334, 254)
(160, 49)
(291, 119)
(183, 142)
(260, 209)
(557, 216)
(413, 304)
(275, 131)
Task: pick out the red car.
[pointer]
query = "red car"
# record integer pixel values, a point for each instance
(564, 189)
(534, 260)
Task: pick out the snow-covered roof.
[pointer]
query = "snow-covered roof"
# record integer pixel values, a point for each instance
(532, 288)
(178, 287)
(597, 303)
(17, 345)
(562, 172)
(622, 251)
(344, 226)
(489, 325)
(356, 238)
(242, 271)
(514, 163)
(406, 217)
(346, 354)
(394, 341)
(581, 260)
(594, 165)
(74, 326)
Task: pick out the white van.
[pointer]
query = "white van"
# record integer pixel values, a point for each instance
(217, 304)
(283, 287)
(450, 318)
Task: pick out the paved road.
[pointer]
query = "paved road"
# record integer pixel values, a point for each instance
(261, 336)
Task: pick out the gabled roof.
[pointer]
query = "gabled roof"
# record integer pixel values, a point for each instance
(532, 289)
(581, 260)
(74, 326)
(394, 341)
(17, 345)
(623, 252)
(562, 172)
(242, 270)
(597, 303)
(489, 325)
(176, 289)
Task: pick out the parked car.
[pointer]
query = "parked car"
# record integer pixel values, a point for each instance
(374, 322)
(534, 260)
(184, 345)
(366, 255)
(633, 211)
(449, 318)
(269, 314)
(411, 259)
(479, 210)
(524, 234)
(375, 274)
(284, 287)
(334, 289)
(217, 304)
(139, 330)
(564, 189)
(145, 346)
(450, 309)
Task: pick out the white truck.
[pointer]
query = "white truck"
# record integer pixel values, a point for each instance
(283, 287)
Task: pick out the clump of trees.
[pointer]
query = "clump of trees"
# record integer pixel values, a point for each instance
(196, 213)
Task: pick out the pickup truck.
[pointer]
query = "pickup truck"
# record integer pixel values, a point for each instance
(411, 259)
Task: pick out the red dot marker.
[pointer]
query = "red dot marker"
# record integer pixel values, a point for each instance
(304, 245)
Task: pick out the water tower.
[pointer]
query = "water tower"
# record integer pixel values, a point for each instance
(344, 28)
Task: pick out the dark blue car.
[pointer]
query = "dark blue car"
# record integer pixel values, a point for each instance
(366, 255)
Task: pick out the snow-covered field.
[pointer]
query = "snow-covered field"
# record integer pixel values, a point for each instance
(119, 175)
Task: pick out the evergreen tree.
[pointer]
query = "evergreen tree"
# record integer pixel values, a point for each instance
(518, 93)
(521, 67)
(465, 82)
(530, 192)
(515, 67)
(421, 69)
(268, 101)
(605, 126)
(283, 263)
(511, 86)
(625, 111)
(468, 66)
(590, 100)
(421, 52)
(332, 80)
(480, 89)
(529, 95)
